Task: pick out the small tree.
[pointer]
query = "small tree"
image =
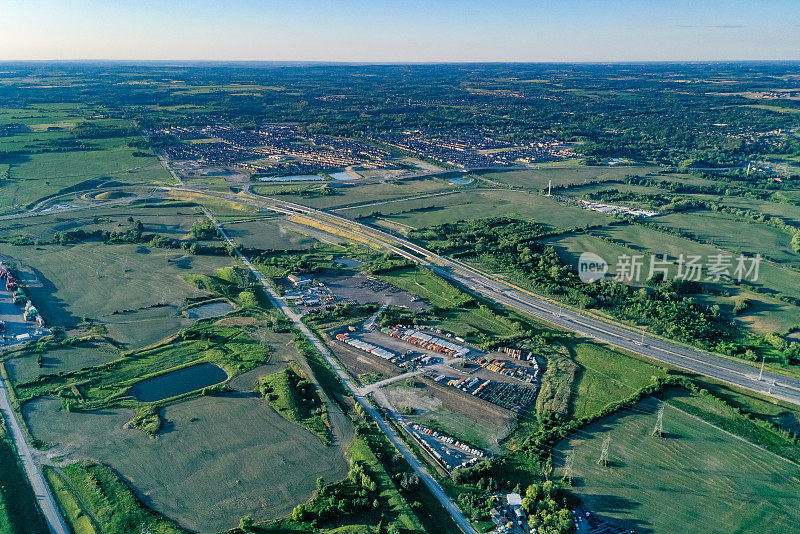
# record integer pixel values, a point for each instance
(246, 523)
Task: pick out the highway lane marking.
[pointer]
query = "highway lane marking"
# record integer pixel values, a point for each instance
(466, 277)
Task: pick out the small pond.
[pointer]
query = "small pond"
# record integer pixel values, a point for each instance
(460, 180)
(342, 176)
(348, 262)
(213, 309)
(178, 382)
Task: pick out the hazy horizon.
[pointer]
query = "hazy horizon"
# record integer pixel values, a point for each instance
(353, 31)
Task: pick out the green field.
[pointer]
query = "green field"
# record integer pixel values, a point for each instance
(34, 176)
(296, 399)
(26, 367)
(94, 280)
(733, 233)
(368, 193)
(787, 211)
(539, 178)
(19, 513)
(454, 316)
(196, 472)
(480, 204)
(697, 478)
(605, 376)
(767, 314)
(172, 222)
(267, 234)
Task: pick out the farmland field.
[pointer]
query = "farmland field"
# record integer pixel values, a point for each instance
(766, 314)
(356, 194)
(479, 204)
(268, 235)
(538, 178)
(732, 233)
(95, 280)
(25, 368)
(196, 472)
(695, 479)
(34, 176)
(173, 222)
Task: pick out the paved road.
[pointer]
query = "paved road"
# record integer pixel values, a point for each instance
(715, 366)
(41, 489)
(429, 481)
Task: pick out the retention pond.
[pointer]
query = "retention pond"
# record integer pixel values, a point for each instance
(178, 382)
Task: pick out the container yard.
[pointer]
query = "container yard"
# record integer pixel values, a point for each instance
(447, 450)
(426, 341)
(510, 396)
(529, 373)
(407, 360)
(20, 321)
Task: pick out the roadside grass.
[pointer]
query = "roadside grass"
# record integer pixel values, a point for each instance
(458, 312)
(463, 427)
(75, 514)
(114, 505)
(19, 513)
(706, 478)
(605, 376)
(784, 415)
(357, 194)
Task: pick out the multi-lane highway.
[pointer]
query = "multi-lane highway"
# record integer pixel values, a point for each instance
(359, 394)
(715, 366)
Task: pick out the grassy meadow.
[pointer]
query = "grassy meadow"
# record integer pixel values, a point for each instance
(697, 478)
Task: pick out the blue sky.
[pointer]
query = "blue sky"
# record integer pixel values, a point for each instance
(401, 31)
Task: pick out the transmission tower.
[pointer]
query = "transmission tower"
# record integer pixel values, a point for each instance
(604, 451)
(658, 430)
(568, 467)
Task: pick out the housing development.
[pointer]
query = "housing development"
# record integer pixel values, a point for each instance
(436, 298)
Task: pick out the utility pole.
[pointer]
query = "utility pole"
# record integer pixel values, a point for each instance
(549, 187)
(604, 451)
(568, 467)
(658, 431)
(761, 373)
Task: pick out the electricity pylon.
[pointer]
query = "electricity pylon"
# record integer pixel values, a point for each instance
(568, 467)
(658, 430)
(604, 451)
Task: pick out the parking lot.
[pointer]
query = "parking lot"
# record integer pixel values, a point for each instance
(15, 325)
(364, 289)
